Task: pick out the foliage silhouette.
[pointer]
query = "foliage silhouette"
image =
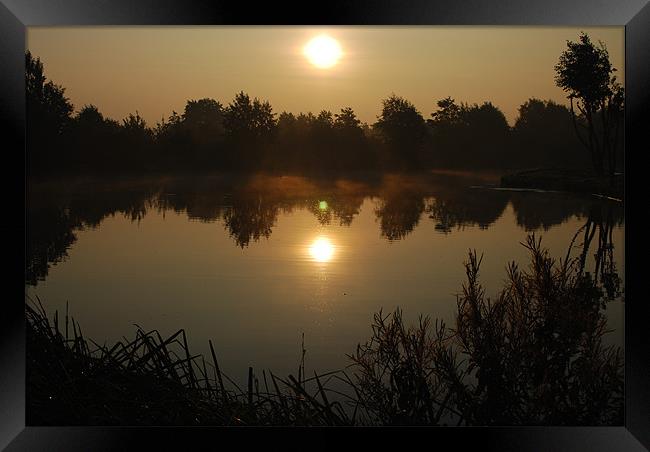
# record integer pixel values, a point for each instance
(528, 357)
(403, 130)
(247, 135)
(471, 136)
(586, 74)
(249, 126)
(533, 356)
(48, 115)
(73, 380)
(531, 136)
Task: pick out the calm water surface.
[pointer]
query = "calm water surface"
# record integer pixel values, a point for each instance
(255, 262)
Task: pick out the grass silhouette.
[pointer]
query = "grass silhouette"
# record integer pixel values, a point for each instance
(532, 356)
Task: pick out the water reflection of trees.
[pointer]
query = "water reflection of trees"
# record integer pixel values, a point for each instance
(399, 215)
(248, 208)
(56, 213)
(597, 240)
(250, 219)
(526, 357)
(50, 234)
(466, 207)
(535, 210)
(335, 207)
(400, 205)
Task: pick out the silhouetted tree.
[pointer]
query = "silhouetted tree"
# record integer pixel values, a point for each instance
(291, 139)
(203, 120)
(94, 141)
(487, 135)
(203, 113)
(48, 114)
(586, 74)
(323, 143)
(246, 135)
(347, 121)
(448, 113)
(170, 136)
(469, 136)
(89, 116)
(137, 138)
(402, 128)
(446, 125)
(350, 141)
(543, 136)
(249, 125)
(322, 140)
(244, 117)
(324, 123)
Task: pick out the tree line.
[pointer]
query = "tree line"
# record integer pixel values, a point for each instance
(247, 134)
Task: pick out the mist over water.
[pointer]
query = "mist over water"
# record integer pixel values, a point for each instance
(253, 262)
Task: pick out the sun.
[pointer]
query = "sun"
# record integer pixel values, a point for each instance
(323, 51)
(321, 249)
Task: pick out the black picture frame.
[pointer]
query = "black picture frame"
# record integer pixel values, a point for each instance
(16, 15)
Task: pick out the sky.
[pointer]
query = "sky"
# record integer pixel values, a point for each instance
(154, 70)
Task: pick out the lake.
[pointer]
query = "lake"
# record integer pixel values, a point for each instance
(254, 262)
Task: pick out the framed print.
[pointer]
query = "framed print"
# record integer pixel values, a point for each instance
(403, 218)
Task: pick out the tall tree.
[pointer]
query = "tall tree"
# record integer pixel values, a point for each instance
(586, 74)
(249, 126)
(249, 118)
(544, 136)
(469, 136)
(48, 114)
(204, 123)
(403, 129)
(204, 117)
(353, 149)
(347, 120)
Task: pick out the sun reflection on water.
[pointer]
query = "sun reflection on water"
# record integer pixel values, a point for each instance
(322, 249)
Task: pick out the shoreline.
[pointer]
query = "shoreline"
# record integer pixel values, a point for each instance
(566, 180)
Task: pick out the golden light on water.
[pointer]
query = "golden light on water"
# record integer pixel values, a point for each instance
(321, 249)
(323, 51)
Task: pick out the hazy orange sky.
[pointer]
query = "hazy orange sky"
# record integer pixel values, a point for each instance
(154, 70)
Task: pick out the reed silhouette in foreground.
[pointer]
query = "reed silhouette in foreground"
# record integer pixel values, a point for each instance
(152, 380)
(532, 356)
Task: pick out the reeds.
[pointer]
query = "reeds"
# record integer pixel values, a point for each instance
(532, 356)
(151, 380)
